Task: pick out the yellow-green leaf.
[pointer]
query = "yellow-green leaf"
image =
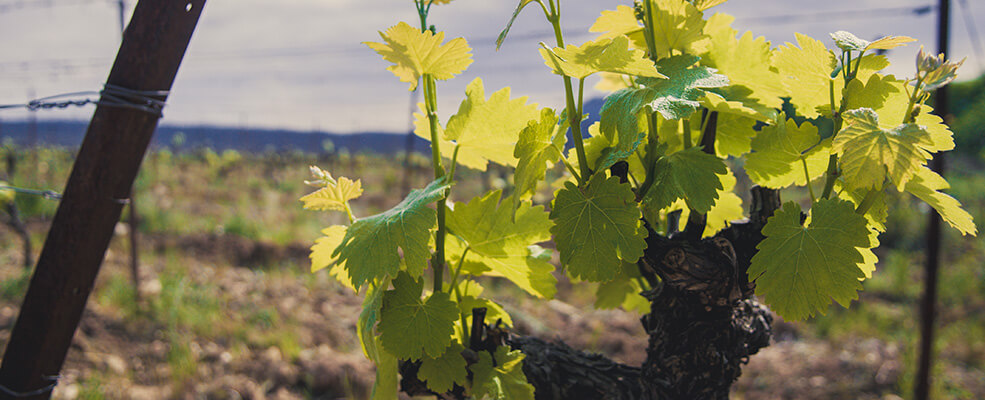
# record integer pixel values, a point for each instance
(486, 130)
(499, 376)
(322, 255)
(412, 328)
(618, 22)
(415, 53)
(334, 196)
(442, 373)
(597, 227)
(540, 145)
(800, 269)
(870, 154)
(775, 161)
(677, 26)
(602, 55)
(692, 175)
(926, 186)
(370, 247)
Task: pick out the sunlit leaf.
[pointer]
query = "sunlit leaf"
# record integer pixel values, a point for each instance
(415, 53)
(800, 269)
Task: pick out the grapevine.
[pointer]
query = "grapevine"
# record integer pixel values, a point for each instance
(692, 101)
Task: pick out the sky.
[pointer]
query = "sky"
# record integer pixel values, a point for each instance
(300, 64)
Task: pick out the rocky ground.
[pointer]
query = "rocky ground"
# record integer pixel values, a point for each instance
(281, 333)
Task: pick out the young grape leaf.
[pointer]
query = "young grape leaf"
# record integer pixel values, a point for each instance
(892, 110)
(500, 376)
(849, 42)
(676, 97)
(734, 135)
(677, 25)
(369, 249)
(602, 55)
(748, 63)
(498, 241)
(521, 265)
(540, 145)
(487, 130)
(411, 328)
(727, 208)
(878, 210)
(623, 291)
(799, 270)
(610, 82)
(442, 373)
(776, 158)
(925, 185)
(717, 103)
(322, 255)
(618, 22)
(806, 73)
(596, 227)
(692, 175)
(516, 13)
(702, 5)
(870, 154)
(872, 94)
(489, 228)
(415, 53)
(334, 196)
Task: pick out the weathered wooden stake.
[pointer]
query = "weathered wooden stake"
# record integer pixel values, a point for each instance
(101, 180)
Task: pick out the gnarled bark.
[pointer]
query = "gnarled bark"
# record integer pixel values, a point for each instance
(703, 324)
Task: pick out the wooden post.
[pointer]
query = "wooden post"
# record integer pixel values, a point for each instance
(928, 302)
(101, 179)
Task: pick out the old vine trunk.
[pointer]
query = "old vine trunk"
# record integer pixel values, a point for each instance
(703, 324)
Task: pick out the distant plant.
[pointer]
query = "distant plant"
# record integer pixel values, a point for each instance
(687, 93)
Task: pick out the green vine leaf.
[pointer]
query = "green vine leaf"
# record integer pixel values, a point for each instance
(370, 247)
(334, 196)
(870, 154)
(805, 71)
(892, 109)
(776, 158)
(677, 97)
(483, 129)
(323, 255)
(488, 227)
(674, 98)
(498, 241)
(926, 186)
(677, 26)
(692, 175)
(619, 22)
(415, 53)
(500, 376)
(411, 328)
(442, 373)
(748, 63)
(387, 381)
(540, 145)
(800, 269)
(602, 55)
(596, 227)
(849, 42)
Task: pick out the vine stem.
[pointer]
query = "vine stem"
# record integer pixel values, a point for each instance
(574, 114)
(431, 104)
(867, 201)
